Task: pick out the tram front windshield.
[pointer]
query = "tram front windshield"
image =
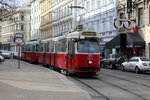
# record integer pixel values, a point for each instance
(88, 46)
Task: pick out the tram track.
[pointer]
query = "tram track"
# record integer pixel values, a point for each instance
(99, 96)
(113, 85)
(143, 98)
(130, 74)
(126, 80)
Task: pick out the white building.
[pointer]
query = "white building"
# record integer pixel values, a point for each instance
(35, 19)
(15, 21)
(56, 17)
(100, 15)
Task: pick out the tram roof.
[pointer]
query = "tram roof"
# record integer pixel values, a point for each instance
(59, 37)
(78, 34)
(32, 42)
(45, 40)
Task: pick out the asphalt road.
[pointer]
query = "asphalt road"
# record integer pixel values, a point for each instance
(34, 82)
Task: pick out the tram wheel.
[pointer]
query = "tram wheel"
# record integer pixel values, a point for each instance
(65, 72)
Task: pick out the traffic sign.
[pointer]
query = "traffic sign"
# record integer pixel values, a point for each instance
(18, 40)
(19, 35)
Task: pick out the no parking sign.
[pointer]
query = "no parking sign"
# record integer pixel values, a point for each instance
(18, 39)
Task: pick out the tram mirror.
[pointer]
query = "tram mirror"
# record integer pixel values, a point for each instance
(73, 40)
(76, 40)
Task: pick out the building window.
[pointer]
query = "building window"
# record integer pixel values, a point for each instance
(149, 14)
(104, 25)
(22, 27)
(140, 17)
(22, 18)
(111, 23)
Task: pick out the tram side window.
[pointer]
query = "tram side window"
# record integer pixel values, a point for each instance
(33, 48)
(62, 45)
(41, 48)
(51, 46)
(23, 48)
(28, 48)
(37, 46)
(71, 48)
(47, 47)
(56, 46)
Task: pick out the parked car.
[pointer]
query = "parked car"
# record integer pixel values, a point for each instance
(2, 59)
(137, 64)
(113, 61)
(15, 55)
(6, 54)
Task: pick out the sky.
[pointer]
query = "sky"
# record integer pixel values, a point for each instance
(15, 2)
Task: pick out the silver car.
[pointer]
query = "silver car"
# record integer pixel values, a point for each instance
(2, 59)
(137, 64)
(6, 54)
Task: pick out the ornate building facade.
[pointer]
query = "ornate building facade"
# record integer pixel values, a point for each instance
(12, 22)
(139, 12)
(56, 17)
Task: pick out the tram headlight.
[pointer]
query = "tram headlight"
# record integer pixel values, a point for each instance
(90, 62)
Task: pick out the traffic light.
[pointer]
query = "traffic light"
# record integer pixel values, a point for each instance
(129, 6)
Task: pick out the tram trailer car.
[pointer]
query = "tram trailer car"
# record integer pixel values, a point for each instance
(44, 52)
(30, 51)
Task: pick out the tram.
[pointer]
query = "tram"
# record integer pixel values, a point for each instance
(75, 52)
(30, 51)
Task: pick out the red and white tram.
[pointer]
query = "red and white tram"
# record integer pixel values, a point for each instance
(30, 51)
(75, 52)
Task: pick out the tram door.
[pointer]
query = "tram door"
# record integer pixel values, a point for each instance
(70, 56)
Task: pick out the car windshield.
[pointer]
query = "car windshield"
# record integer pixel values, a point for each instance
(145, 59)
(88, 46)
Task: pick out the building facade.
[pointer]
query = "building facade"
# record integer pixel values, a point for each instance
(100, 15)
(139, 11)
(12, 22)
(56, 17)
(35, 19)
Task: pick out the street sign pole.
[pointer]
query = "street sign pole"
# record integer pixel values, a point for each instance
(18, 56)
(18, 40)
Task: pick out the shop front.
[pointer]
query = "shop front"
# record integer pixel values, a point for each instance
(129, 44)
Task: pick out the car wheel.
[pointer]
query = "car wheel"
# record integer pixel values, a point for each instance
(137, 70)
(122, 68)
(102, 65)
(111, 66)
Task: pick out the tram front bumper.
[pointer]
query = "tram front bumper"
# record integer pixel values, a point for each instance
(88, 69)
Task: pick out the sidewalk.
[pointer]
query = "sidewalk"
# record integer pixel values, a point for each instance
(34, 82)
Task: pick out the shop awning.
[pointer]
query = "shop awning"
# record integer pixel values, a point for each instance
(114, 43)
(131, 40)
(134, 40)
